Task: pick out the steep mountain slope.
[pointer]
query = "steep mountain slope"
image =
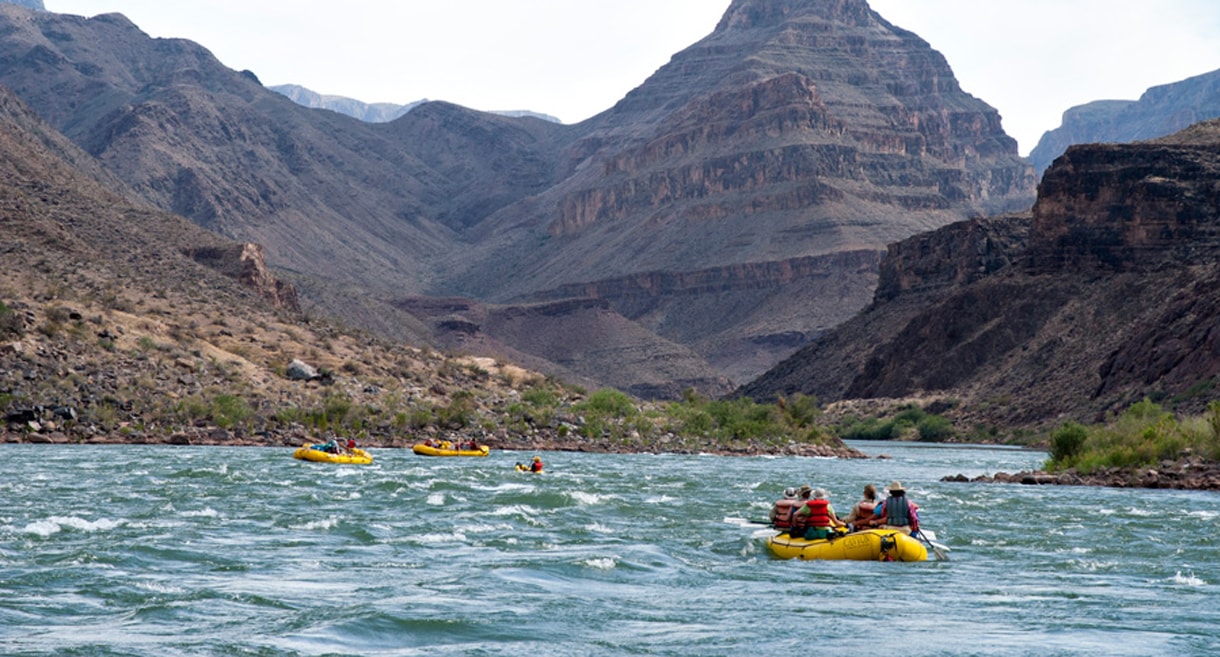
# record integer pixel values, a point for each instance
(123, 323)
(326, 194)
(1105, 294)
(1161, 111)
(795, 130)
(756, 177)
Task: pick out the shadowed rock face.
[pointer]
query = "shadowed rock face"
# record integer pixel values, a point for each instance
(1108, 292)
(795, 133)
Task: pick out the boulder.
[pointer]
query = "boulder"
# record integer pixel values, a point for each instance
(299, 371)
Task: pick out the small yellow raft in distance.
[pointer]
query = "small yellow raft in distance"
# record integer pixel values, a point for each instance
(308, 453)
(447, 449)
(867, 545)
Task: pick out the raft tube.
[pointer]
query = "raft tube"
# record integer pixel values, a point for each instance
(867, 545)
(308, 453)
(425, 450)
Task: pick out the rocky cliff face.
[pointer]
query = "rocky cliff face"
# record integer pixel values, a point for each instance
(795, 129)
(1105, 294)
(247, 264)
(1161, 111)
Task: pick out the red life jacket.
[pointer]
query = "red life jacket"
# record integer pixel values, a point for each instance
(819, 513)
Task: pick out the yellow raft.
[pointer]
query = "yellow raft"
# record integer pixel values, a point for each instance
(867, 545)
(308, 453)
(447, 449)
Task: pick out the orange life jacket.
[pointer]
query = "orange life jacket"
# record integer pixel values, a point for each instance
(866, 517)
(782, 513)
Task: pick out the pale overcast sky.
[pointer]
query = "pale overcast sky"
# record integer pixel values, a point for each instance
(1030, 59)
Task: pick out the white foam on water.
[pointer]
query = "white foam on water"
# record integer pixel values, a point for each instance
(327, 523)
(439, 539)
(661, 499)
(1187, 580)
(604, 563)
(1094, 566)
(436, 499)
(586, 498)
(159, 587)
(56, 524)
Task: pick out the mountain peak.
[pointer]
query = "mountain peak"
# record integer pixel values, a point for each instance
(751, 14)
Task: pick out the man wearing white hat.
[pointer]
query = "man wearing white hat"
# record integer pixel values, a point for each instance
(897, 512)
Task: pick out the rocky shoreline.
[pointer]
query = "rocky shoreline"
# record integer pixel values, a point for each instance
(549, 441)
(1193, 473)
(1184, 474)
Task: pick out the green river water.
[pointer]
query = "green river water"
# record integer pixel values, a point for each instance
(165, 551)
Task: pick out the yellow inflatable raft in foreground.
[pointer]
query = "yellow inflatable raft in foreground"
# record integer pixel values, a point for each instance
(308, 453)
(447, 449)
(867, 545)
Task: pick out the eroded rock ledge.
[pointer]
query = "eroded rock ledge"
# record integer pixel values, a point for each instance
(1184, 474)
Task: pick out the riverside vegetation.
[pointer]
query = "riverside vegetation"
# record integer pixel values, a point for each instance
(1146, 446)
(113, 368)
(79, 369)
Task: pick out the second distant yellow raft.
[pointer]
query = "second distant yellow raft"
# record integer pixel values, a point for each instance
(447, 449)
(308, 453)
(868, 545)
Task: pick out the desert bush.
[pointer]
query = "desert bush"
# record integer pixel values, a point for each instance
(229, 411)
(934, 429)
(1067, 443)
(608, 402)
(10, 322)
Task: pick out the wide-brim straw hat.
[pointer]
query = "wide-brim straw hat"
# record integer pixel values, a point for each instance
(895, 486)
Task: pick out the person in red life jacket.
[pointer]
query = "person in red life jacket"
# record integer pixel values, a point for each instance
(897, 512)
(536, 466)
(782, 510)
(816, 519)
(862, 515)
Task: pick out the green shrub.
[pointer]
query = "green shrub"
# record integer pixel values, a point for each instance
(801, 411)
(540, 397)
(609, 402)
(1067, 443)
(868, 429)
(934, 429)
(10, 322)
(228, 411)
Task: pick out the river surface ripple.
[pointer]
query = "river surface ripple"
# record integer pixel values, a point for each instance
(165, 551)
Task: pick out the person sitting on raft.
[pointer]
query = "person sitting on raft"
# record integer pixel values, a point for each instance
(816, 519)
(536, 466)
(782, 510)
(862, 515)
(330, 447)
(897, 512)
